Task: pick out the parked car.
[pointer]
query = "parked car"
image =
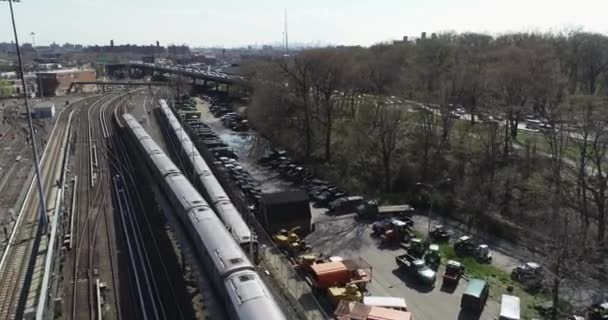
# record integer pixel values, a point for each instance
(345, 205)
(527, 270)
(417, 268)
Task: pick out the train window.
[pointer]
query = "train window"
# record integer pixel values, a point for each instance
(236, 260)
(246, 277)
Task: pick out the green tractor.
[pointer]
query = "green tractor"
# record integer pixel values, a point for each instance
(416, 248)
(432, 257)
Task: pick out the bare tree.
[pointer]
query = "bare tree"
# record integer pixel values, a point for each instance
(558, 248)
(386, 136)
(509, 84)
(297, 72)
(596, 172)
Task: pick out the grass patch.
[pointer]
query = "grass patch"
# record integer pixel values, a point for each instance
(500, 281)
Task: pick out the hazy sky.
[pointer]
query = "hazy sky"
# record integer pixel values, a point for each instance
(232, 23)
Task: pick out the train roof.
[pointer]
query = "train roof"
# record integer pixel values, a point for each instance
(185, 192)
(150, 146)
(164, 164)
(251, 298)
(232, 218)
(226, 254)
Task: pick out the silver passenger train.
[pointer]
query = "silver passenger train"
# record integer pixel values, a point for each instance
(208, 184)
(228, 267)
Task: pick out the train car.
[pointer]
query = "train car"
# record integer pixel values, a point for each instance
(232, 273)
(208, 184)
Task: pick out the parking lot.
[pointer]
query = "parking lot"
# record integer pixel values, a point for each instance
(346, 237)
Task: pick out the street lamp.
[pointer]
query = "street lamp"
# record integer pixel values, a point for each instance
(431, 188)
(43, 218)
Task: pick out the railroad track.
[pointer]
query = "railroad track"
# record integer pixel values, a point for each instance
(166, 304)
(19, 258)
(92, 201)
(15, 162)
(102, 158)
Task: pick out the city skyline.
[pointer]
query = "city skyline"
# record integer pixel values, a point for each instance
(239, 23)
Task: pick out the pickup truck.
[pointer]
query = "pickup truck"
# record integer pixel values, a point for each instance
(417, 268)
(453, 272)
(371, 210)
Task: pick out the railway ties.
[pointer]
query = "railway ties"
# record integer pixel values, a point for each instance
(106, 220)
(27, 248)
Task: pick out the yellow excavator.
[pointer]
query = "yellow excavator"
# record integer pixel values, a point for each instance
(350, 292)
(290, 242)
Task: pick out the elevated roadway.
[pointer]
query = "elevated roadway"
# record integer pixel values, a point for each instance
(192, 73)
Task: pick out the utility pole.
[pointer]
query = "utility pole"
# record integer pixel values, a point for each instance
(43, 218)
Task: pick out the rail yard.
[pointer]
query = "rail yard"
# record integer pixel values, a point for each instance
(150, 223)
(165, 207)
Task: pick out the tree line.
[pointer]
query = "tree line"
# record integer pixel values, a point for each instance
(379, 120)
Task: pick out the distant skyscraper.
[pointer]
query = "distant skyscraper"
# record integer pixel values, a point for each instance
(111, 43)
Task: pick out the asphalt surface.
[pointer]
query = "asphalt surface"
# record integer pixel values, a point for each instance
(344, 236)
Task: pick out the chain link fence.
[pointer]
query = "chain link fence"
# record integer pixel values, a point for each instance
(291, 290)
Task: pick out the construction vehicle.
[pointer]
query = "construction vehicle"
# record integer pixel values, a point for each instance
(598, 311)
(482, 253)
(372, 211)
(453, 271)
(397, 231)
(464, 246)
(350, 292)
(306, 261)
(339, 273)
(416, 248)
(432, 257)
(290, 242)
(438, 233)
(348, 310)
(526, 271)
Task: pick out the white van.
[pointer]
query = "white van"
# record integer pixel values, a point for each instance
(386, 302)
(509, 308)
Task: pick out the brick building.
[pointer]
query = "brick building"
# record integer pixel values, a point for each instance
(57, 82)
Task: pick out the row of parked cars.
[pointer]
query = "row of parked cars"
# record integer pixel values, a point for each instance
(211, 139)
(229, 118)
(321, 192)
(235, 122)
(243, 179)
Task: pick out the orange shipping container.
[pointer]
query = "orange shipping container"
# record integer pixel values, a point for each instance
(351, 311)
(330, 274)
